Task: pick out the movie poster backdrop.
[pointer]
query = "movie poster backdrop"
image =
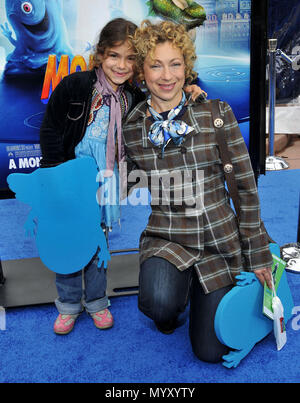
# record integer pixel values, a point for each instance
(41, 41)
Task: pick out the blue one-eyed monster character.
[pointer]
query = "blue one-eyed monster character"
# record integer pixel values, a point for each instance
(240, 322)
(39, 30)
(65, 216)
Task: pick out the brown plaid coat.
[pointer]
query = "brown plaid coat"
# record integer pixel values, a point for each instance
(192, 222)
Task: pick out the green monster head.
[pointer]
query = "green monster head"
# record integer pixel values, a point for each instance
(186, 12)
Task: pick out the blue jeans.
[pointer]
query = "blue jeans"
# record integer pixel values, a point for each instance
(164, 293)
(71, 296)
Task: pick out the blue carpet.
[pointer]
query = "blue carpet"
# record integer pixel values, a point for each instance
(133, 350)
(280, 196)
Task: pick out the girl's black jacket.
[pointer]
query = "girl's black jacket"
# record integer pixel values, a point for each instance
(67, 113)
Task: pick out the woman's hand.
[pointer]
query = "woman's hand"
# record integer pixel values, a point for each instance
(263, 275)
(195, 91)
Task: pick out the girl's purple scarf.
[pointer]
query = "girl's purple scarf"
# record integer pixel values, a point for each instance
(115, 121)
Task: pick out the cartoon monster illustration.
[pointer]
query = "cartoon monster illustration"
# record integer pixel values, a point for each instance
(65, 216)
(39, 30)
(186, 12)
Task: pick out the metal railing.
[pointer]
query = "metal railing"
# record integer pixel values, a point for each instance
(273, 162)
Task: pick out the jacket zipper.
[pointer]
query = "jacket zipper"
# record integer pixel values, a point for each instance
(88, 108)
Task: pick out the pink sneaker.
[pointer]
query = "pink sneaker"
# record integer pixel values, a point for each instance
(103, 319)
(64, 323)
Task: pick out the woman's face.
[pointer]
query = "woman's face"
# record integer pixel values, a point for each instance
(165, 76)
(118, 64)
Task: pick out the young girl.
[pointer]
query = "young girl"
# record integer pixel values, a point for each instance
(83, 118)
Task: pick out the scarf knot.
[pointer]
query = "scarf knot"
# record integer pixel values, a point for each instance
(162, 131)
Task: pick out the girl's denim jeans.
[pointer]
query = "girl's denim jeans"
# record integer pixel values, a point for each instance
(83, 289)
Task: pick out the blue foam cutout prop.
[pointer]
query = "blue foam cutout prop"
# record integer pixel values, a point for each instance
(65, 216)
(239, 321)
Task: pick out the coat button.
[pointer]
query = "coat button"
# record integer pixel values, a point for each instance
(218, 123)
(228, 168)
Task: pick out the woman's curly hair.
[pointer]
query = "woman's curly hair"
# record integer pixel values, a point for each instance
(148, 35)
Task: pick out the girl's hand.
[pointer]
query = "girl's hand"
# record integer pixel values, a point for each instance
(263, 275)
(195, 91)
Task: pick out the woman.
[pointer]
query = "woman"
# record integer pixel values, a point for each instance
(189, 251)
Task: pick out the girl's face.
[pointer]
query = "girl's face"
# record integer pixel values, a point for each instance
(118, 64)
(165, 76)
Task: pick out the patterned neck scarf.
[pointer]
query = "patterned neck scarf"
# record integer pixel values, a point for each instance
(112, 98)
(162, 131)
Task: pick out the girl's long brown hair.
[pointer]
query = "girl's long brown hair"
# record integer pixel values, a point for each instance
(114, 33)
